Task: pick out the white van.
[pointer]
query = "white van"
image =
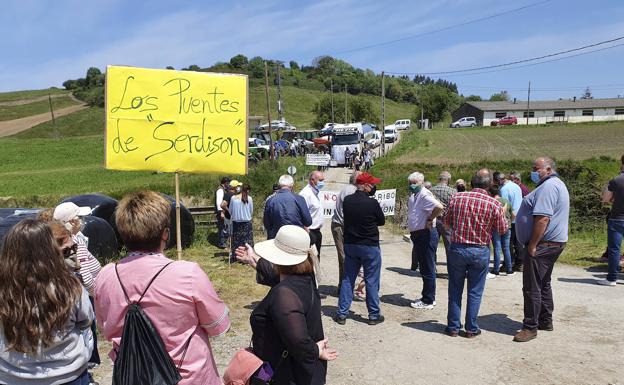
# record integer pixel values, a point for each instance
(403, 124)
(390, 134)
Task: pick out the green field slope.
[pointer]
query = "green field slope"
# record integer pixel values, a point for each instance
(38, 107)
(29, 94)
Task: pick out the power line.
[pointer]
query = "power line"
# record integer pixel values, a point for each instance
(442, 29)
(466, 73)
(523, 60)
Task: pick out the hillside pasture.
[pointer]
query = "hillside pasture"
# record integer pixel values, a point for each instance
(29, 94)
(571, 141)
(37, 107)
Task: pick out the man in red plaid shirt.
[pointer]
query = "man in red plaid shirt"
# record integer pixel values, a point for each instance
(471, 216)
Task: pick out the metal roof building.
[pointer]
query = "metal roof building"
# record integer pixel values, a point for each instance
(544, 111)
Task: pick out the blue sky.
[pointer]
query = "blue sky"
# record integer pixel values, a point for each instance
(47, 42)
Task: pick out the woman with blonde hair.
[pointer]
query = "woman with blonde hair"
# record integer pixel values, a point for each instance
(45, 314)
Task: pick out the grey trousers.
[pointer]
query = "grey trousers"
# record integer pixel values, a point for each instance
(338, 234)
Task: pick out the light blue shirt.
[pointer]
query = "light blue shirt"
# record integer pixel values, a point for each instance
(513, 193)
(241, 211)
(550, 199)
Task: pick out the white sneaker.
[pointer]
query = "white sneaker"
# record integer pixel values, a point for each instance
(605, 282)
(490, 276)
(418, 304)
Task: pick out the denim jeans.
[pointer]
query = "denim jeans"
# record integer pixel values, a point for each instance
(466, 261)
(615, 232)
(425, 246)
(501, 242)
(83, 379)
(368, 257)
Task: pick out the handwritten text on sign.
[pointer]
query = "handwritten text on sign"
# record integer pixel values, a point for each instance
(386, 199)
(175, 121)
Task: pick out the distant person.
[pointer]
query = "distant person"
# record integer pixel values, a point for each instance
(45, 313)
(181, 302)
(287, 329)
(362, 216)
(443, 193)
(460, 185)
(512, 192)
(500, 242)
(542, 225)
(219, 194)
(234, 188)
(337, 224)
(472, 217)
(614, 194)
(347, 157)
(515, 177)
(422, 210)
(367, 159)
(241, 209)
(285, 208)
(310, 192)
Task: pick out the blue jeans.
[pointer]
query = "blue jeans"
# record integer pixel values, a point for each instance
(425, 246)
(368, 257)
(501, 242)
(466, 261)
(83, 379)
(615, 233)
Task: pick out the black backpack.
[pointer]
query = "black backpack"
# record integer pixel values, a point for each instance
(142, 358)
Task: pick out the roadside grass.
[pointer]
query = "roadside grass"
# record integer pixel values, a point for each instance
(40, 107)
(30, 94)
(570, 141)
(89, 121)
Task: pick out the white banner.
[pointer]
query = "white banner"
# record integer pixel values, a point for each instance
(317, 159)
(386, 199)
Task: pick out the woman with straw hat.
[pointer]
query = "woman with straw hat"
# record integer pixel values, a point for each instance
(286, 325)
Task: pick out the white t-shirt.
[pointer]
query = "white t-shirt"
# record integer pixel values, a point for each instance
(310, 194)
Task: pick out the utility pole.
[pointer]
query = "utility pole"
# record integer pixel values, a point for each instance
(266, 92)
(280, 110)
(331, 88)
(528, 103)
(346, 121)
(383, 116)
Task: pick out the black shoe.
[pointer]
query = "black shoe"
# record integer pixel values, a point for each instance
(339, 320)
(547, 327)
(511, 272)
(472, 334)
(517, 268)
(376, 321)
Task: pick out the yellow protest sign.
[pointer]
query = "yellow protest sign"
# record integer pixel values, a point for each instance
(165, 120)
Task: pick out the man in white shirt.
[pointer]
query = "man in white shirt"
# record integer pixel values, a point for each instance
(310, 192)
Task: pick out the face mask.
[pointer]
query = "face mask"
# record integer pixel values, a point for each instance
(372, 191)
(535, 177)
(415, 188)
(320, 184)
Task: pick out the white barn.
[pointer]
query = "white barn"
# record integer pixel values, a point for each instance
(543, 111)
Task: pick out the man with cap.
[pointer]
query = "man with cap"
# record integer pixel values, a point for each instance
(362, 215)
(219, 194)
(310, 192)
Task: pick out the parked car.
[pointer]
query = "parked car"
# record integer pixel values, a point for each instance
(277, 125)
(390, 134)
(373, 139)
(403, 124)
(506, 121)
(468, 121)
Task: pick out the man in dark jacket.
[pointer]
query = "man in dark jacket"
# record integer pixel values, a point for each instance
(362, 215)
(285, 208)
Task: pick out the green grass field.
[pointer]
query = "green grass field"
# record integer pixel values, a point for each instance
(40, 107)
(29, 94)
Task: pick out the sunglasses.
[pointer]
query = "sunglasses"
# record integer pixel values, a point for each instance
(68, 251)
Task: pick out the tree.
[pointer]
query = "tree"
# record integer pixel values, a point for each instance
(256, 67)
(502, 96)
(359, 110)
(192, 67)
(169, 68)
(239, 61)
(70, 84)
(293, 65)
(436, 102)
(94, 77)
(473, 98)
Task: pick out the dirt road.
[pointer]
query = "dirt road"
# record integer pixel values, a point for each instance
(12, 127)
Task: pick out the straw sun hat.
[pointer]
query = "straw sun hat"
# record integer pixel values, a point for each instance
(290, 246)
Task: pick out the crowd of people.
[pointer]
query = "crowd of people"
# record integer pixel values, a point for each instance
(53, 293)
(360, 160)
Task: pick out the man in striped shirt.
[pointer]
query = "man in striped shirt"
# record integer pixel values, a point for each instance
(471, 216)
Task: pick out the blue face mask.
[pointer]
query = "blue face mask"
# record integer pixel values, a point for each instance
(415, 188)
(320, 184)
(535, 177)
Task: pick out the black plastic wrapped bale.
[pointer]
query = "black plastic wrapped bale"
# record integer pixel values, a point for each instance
(187, 224)
(103, 207)
(5, 212)
(102, 239)
(11, 220)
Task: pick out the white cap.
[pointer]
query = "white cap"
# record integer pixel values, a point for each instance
(67, 211)
(290, 246)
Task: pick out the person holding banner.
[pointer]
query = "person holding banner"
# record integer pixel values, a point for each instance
(310, 192)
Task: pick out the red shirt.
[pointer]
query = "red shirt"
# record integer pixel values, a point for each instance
(473, 215)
